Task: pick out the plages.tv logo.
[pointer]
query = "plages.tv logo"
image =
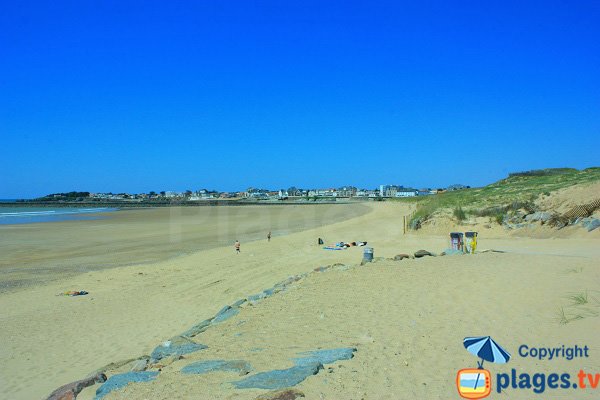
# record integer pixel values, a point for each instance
(476, 383)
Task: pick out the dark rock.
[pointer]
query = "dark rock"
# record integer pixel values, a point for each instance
(225, 313)
(176, 346)
(202, 367)
(399, 257)
(422, 253)
(119, 381)
(289, 394)
(279, 379)
(238, 303)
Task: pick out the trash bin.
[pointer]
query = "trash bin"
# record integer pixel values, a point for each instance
(456, 241)
(470, 242)
(368, 254)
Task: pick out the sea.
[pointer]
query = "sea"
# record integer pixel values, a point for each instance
(10, 215)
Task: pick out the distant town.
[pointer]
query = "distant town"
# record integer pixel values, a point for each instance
(345, 192)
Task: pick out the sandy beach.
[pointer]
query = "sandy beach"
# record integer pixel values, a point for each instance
(406, 319)
(31, 254)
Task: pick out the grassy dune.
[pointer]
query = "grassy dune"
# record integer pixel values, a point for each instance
(517, 191)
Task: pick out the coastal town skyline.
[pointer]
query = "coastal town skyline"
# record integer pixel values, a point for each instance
(388, 191)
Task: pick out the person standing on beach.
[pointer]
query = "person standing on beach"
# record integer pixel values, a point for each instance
(237, 246)
(269, 236)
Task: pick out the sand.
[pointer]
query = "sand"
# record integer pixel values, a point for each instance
(406, 319)
(34, 253)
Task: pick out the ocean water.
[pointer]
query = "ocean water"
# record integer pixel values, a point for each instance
(31, 215)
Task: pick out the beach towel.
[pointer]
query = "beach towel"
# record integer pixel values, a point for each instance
(73, 293)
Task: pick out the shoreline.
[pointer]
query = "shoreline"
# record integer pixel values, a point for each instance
(199, 203)
(129, 237)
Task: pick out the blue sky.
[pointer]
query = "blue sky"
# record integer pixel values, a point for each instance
(139, 96)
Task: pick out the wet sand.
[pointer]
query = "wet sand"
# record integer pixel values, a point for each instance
(31, 254)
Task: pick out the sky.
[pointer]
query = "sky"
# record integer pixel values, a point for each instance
(139, 96)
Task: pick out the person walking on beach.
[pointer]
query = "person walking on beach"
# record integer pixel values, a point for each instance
(237, 246)
(269, 236)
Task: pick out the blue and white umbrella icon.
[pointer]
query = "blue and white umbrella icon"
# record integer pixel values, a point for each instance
(485, 348)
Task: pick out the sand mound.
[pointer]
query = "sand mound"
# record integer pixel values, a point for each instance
(563, 200)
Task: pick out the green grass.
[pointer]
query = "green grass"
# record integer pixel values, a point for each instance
(582, 306)
(518, 191)
(459, 214)
(578, 299)
(563, 317)
(575, 270)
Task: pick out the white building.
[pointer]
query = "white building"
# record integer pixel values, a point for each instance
(406, 193)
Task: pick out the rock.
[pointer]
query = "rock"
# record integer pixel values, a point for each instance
(422, 253)
(270, 292)
(289, 394)
(166, 361)
(198, 328)
(399, 257)
(341, 267)
(538, 216)
(71, 390)
(453, 252)
(202, 367)
(590, 223)
(119, 381)
(225, 313)
(325, 356)
(120, 364)
(256, 297)
(279, 379)
(139, 365)
(415, 224)
(310, 364)
(238, 303)
(176, 346)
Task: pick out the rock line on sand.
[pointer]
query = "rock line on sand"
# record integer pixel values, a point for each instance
(276, 379)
